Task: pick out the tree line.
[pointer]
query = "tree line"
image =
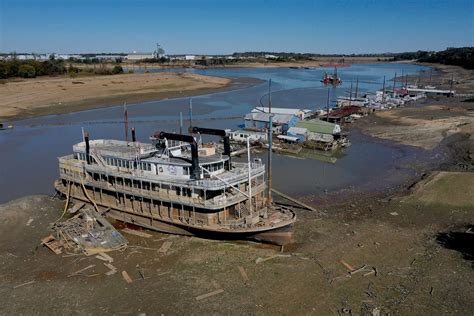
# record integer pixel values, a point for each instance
(33, 68)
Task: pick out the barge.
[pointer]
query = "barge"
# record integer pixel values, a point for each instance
(177, 186)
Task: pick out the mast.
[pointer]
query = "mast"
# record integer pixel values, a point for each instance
(270, 96)
(181, 123)
(270, 141)
(125, 120)
(357, 87)
(394, 83)
(431, 73)
(401, 80)
(383, 89)
(327, 108)
(350, 95)
(249, 175)
(190, 113)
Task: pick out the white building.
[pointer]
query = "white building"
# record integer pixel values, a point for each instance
(139, 56)
(302, 114)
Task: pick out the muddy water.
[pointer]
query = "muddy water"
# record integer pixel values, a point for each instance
(28, 152)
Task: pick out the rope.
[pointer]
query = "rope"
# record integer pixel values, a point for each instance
(87, 195)
(67, 201)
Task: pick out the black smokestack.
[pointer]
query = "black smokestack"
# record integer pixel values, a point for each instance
(134, 138)
(227, 151)
(86, 140)
(195, 171)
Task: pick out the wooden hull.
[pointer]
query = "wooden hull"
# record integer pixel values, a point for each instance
(278, 234)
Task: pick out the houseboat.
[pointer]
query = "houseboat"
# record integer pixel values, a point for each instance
(174, 185)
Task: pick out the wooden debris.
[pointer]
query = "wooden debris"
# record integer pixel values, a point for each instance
(260, 260)
(165, 247)
(348, 266)
(369, 273)
(126, 277)
(112, 269)
(29, 222)
(201, 297)
(23, 284)
(51, 242)
(80, 271)
(363, 268)
(136, 232)
(105, 257)
(76, 208)
(244, 274)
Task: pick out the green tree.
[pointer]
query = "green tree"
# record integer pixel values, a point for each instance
(117, 70)
(26, 71)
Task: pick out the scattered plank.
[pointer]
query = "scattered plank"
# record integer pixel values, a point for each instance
(363, 268)
(260, 260)
(82, 270)
(126, 277)
(244, 275)
(348, 266)
(28, 223)
(105, 257)
(112, 269)
(306, 206)
(369, 273)
(201, 297)
(136, 233)
(165, 247)
(53, 245)
(23, 284)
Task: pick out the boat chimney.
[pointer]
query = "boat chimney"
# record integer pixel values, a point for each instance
(86, 140)
(196, 173)
(227, 151)
(134, 138)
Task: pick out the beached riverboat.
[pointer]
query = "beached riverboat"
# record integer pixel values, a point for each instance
(175, 185)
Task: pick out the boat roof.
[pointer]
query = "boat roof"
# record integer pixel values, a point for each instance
(317, 126)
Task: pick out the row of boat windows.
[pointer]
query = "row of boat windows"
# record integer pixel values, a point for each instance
(123, 163)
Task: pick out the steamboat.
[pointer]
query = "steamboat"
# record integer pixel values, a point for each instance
(176, 185)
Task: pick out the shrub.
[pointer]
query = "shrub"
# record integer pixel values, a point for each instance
(117, 70)
(26, 71)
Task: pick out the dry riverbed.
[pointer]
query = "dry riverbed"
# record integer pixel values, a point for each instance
(43, 96)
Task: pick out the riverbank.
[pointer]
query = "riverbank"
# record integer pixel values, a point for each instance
(44, 96)
(314, 63)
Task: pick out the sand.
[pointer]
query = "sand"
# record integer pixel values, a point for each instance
(42, 96)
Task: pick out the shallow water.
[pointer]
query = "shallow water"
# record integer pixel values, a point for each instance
(29, 151)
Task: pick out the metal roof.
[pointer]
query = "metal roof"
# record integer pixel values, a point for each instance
(318, 126)
(265, 117)
(297, 131)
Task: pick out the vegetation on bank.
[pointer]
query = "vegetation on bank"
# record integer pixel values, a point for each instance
(52, 67)
(463, 56)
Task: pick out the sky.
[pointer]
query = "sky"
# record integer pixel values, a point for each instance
(224, 27)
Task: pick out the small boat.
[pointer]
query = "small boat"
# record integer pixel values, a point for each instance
(331, 79)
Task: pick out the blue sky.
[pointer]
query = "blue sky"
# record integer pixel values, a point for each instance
(221, 27)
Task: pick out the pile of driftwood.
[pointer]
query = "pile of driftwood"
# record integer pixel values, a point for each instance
(87, 231)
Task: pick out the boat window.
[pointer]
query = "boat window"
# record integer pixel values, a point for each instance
(186, 171)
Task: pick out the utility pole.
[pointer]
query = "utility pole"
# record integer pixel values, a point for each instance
(181, 123)
(350, 95)
(190, 114)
